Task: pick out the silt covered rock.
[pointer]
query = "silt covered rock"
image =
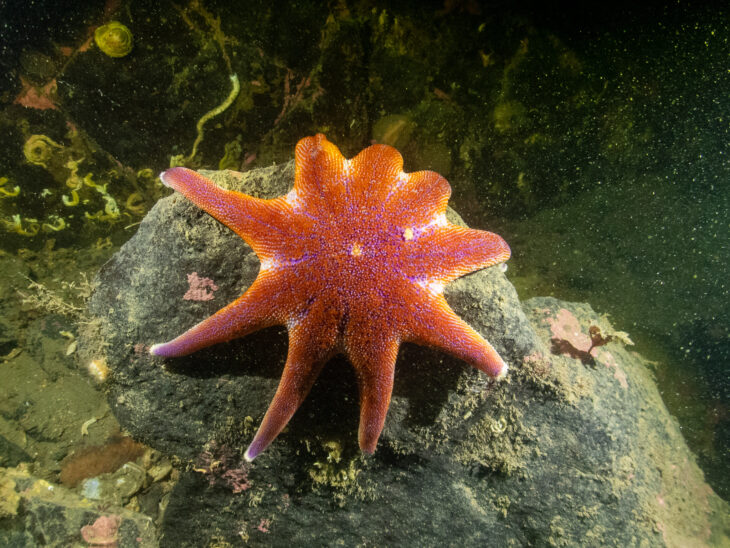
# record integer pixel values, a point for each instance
(571, 448)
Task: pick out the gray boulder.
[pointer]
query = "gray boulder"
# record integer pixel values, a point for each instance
(571, 449)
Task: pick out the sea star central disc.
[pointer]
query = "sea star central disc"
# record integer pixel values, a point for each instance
(354, 260)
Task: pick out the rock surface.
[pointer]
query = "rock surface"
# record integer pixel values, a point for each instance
(562, 453)
(34, 512)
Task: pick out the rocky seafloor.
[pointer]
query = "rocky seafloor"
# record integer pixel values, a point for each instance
(575, 447)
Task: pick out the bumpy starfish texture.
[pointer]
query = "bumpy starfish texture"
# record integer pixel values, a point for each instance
(354, 260)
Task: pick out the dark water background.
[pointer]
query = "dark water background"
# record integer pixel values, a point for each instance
(595, 140)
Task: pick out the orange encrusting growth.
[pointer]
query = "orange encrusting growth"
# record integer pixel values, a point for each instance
(353, 260)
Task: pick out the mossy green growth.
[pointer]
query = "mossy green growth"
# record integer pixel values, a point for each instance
(232, 157)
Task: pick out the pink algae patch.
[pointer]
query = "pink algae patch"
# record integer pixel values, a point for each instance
(200, 289)
(40, 98)
(103, 532)
(606, 358)
(565, 326)
(571, 339)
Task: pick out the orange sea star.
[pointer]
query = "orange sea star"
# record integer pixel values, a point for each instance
(354, 260)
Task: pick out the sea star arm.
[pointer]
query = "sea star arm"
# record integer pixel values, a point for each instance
(376, 176)
(373, 357)
(311, 343)
(319, 178)
(254, 310)
(421, 199)
(442, 254)
(260, 222)
(438, 326)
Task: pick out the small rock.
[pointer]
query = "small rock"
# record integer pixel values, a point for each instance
(117, 487)
(159, 471)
